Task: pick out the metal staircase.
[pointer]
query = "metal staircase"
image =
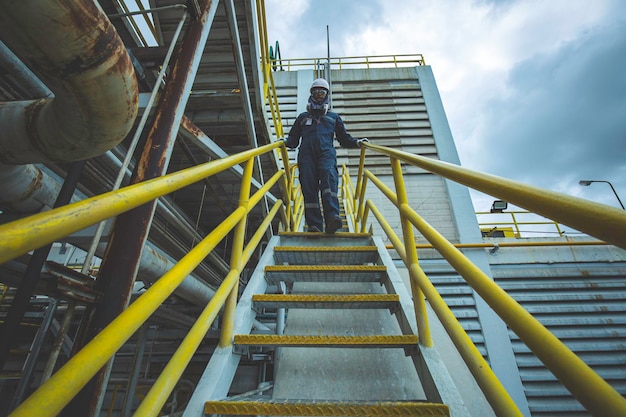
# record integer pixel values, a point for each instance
(339, 352)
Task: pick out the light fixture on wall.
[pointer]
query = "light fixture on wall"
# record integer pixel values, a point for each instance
(498, 206)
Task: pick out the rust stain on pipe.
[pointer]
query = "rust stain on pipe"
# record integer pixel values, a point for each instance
(78, 54)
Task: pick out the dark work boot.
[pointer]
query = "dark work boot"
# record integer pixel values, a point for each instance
(333, 224)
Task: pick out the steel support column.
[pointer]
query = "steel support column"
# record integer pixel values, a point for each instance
(121, 261)
(33, 270)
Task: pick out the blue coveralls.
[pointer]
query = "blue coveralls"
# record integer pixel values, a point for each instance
(317, 161)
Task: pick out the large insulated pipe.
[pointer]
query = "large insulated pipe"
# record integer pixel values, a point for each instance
(76, 51)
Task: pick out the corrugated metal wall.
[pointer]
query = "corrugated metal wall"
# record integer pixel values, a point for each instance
(587, 311)
(386, 106)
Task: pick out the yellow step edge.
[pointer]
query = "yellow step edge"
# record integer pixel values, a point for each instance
(333, 249)
(327, 301)
(355, 298)
(312, 408)
(322, 234)
(326, 268)
(368, 341)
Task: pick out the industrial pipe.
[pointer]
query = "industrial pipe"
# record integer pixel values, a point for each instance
(81, 58)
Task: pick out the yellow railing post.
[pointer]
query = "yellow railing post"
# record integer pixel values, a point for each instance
(228, 322)
(165, 383)
(419, 303)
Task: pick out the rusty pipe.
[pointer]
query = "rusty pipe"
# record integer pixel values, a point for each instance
(81, 58)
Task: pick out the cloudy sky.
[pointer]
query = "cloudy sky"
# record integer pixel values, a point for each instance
(534, 91)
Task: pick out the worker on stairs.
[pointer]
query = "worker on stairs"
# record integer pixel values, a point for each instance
(317, 158)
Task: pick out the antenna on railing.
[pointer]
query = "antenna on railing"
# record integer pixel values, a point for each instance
(275, 57)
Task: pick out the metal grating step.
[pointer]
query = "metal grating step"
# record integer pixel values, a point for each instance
(326, 408)
(325, 255)
(324, 273)
(320, 234)
(364, 301)
(407, 341)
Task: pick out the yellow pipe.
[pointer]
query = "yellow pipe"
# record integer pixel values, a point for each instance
(50, 398)
(361, 198)
(517, 244)
(169, 377)
(382, 187)
(21, 236)
(228, 318)
(363, 226)
(393, 237)
(593, 392)
(278, 122)
(604, 222)
(359, 176)
(419, 303)
(258, 235)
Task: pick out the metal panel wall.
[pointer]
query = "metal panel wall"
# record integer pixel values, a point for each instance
(586, 310)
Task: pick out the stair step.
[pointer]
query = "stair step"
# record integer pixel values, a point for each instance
(369, 301)
(408, 341)
(321, 234)
(325, 273)
(324, 255)
(326, 408)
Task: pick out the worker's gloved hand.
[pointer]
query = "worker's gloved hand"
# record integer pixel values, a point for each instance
(284, 140)
(360, 141)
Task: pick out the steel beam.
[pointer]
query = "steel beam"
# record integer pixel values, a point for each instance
(121, 262)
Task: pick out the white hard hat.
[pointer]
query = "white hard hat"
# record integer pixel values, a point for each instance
(320, 83)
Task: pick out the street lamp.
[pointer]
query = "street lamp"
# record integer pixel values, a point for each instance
(587, 183)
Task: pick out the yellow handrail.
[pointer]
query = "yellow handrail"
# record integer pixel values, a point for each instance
(515, 222)
(20, 236)
(598, 220)
(50, 398)
(269, 89)
(595, 394)
(366, 61)
(495, 393)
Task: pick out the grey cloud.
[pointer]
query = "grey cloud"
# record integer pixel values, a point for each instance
(565, 116)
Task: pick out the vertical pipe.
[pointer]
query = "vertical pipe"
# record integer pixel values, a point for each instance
(121, 261)
(419, 303)
(58, 342)
(245, 93)
(228, 322)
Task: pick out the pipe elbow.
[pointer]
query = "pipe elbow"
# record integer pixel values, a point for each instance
(76, 51)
